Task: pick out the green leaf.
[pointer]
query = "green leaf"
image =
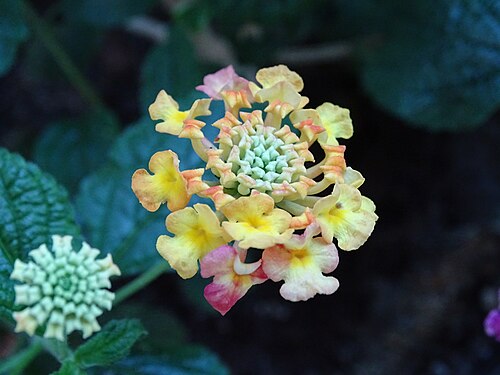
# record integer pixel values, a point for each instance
(111, 344)
(171, 66)
(33, 207)
(111, 216)
(439, 69)
(13, 31)
(72, 149)
(161, 336)
(115, 222)
(6, 290)
(69, 368)
(186, 360)
(105, 13)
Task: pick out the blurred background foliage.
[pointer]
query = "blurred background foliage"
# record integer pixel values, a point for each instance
(422, 80)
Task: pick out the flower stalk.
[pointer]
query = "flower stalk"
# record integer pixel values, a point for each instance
(140, 282)
(61, 58)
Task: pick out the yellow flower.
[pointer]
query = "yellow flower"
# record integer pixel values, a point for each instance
(255, 222)
(345, 215)
(167, 109)
(166, 184)
(197, 232)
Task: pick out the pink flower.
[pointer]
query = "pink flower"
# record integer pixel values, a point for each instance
(223, 80)
(232, 277)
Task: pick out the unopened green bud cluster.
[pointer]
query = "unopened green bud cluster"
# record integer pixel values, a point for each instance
(63, 290)
(265, 158)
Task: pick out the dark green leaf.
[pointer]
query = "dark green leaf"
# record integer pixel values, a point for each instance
(105, 13)
(165, 330)
(13, 31)
(6, 290)
(112, 218)
(171, 66)
(33, 207)
(114, 221)
(72, 149)
(69, 368)
(186, 360)
(111, 344)
(439, 66)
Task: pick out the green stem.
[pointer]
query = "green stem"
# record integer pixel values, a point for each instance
(308, 201)
(140, 282)
(18, 362)
(47, 37)
(292, 207)
(58, 349)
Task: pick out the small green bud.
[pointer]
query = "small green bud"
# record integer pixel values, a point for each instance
(63, 290)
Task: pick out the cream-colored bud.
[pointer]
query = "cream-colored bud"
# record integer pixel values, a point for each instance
(63, 290)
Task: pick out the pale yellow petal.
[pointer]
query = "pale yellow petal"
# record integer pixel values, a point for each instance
(347, 216)
(166, 108)
(268, 77)
(197, 232)
(336, 121)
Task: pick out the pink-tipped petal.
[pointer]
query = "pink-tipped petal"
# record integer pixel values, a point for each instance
(218, 261)
(224, 79)
(229, 284)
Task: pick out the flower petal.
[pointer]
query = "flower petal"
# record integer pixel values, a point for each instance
(492, 324)
(353, 177)
(300, 262)
(223, 79)
(218, 261)
(226, 290)
(228, 286)
(268, 77)
(197, 231)
(255, 222)
(165, 185)
(200, 107)
(217, 195)
(336, 121)
(347, 216)
(309, 124)
(166, 108)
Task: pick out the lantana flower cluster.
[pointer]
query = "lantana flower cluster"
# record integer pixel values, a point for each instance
(272, 196)
(62, 290)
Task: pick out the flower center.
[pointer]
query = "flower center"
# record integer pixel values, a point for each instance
(65, 282)
(263, 157)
